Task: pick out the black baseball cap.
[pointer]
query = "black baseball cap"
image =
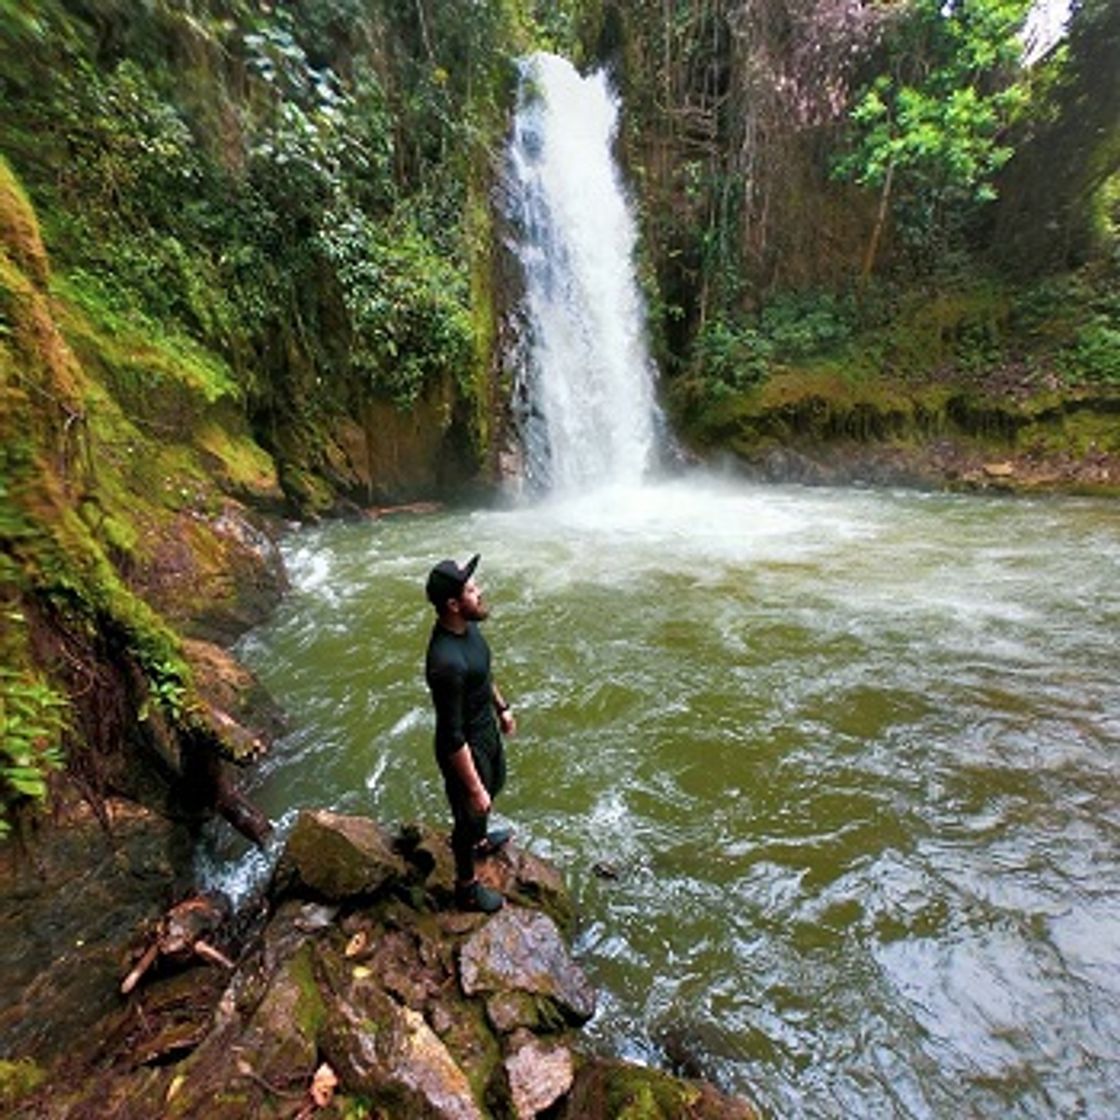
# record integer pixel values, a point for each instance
(446, 580)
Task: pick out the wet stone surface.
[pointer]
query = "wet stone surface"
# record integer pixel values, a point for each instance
(358, 976)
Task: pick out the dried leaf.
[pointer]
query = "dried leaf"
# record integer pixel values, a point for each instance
(357, 943)
(323, 1085)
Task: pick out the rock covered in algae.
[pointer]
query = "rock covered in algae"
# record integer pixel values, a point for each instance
(361, 973)
(335, 856)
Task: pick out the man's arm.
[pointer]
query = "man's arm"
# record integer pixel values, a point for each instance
(462, 763)
(507, 721)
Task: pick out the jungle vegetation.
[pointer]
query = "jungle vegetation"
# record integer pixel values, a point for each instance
(234, 231)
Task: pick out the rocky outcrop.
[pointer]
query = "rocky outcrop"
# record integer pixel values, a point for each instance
(362, 992)
(996, 433)
(214, 575)
(519, 954)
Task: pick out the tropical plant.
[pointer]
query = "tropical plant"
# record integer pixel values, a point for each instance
(930, 132)
(32, 719)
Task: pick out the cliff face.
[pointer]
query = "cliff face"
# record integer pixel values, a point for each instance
(301, 194)
(268, 293)
(128, 487)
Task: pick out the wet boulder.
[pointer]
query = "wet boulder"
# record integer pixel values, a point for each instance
(259, 1047)
(213, 575)
(605, 1088)
(244, 717)
(387, 1052)
(522, 951)
(539, 1074)
(334, 857)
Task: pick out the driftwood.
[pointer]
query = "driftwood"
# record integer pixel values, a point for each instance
(375, 513)
(241, 812)
(182, 934)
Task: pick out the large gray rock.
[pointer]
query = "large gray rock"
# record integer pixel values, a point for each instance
(387, 1052)
(522, 950)
(335, 857)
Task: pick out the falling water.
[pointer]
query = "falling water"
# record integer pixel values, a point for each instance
(584, 375)
(854, 755)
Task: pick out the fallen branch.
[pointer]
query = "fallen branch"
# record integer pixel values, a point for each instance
(181, 934)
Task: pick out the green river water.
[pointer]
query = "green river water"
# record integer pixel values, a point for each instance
(853, 755)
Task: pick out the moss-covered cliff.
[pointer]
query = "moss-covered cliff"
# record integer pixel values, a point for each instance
(245, 272)
(975, 384)
(125, 473)
(300, 190)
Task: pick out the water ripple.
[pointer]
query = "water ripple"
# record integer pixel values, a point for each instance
(852, 755)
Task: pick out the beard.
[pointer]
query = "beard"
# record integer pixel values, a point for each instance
(475, 612)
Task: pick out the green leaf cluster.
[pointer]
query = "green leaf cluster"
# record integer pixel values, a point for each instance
(931, 129)
(738, 352)
(949, 141)
(32, 721)
(408, 307)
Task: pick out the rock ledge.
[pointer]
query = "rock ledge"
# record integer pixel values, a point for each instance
(361, 992)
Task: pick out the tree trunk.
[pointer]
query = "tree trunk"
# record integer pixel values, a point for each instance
(880, 222)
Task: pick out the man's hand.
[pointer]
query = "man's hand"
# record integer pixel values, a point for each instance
(507, 721)
(477, 796)
(479, 800)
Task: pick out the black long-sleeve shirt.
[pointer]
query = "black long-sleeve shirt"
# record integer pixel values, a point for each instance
(457, 669)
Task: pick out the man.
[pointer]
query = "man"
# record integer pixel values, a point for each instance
(470, 711)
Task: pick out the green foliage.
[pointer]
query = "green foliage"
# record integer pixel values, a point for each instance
(408, 309)
(1054, 198)
(53, 558)
(32, 720)
(165, 689)
(354, 1107)
(931, 132)
(1073, 322)
(131, 154)
(316, 139)
(1095, 353)
(801, 325)
(738, 353)
(730, 356)
(1106, 216)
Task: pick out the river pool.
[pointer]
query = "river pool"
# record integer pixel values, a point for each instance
(852, 754)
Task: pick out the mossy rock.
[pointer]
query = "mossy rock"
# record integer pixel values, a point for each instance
(616, 1090)
(337, 857)
(19, 228)
(18, 1079)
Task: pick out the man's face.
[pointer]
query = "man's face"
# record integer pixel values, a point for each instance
(472, 606)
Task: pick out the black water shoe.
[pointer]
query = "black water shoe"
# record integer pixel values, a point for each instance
(478, 896)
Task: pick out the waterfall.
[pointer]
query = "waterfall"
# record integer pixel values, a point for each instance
(583, 377)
